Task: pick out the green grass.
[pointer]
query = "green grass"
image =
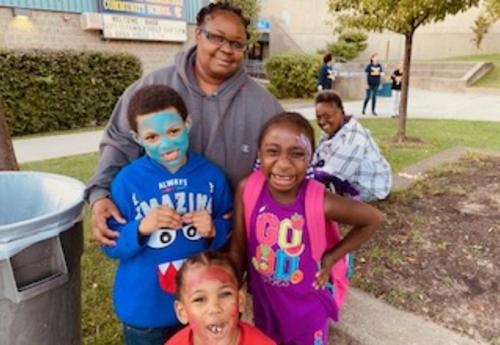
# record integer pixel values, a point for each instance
(101, 327)
(436, 136)
(492, 79)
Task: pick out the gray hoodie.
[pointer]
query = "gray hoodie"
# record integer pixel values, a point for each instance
(225, 127)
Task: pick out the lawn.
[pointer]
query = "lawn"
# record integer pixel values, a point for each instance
(492, 79)
(101, 327)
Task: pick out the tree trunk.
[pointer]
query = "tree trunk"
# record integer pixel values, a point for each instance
(7, 157)
(405, 86)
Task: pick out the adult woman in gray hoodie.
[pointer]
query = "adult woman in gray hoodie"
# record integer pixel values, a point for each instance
(226, 106)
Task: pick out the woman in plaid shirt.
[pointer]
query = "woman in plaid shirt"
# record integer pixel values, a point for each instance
(347, 153)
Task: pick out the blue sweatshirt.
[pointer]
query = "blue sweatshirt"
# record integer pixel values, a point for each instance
(145, 280)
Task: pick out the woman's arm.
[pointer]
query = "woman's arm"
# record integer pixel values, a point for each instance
(238, 244)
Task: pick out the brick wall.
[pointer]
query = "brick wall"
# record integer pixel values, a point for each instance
(54, 30)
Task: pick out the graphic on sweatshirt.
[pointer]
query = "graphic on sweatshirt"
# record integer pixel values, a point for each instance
(183, 202)
(375, 71)
(166, 275)
(280, 244)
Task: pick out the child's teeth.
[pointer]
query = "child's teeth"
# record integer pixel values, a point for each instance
(215, 329)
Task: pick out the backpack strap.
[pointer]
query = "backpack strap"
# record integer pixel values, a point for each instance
(322, 234)
(315, 215)
(251, 192)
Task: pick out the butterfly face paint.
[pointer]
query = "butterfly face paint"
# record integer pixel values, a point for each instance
(305, 143)
(165, 138)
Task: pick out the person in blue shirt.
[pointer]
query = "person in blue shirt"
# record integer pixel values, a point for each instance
(326, 74)
(175, 204)
(374, 72)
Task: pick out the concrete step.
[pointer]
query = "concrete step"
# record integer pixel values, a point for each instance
(369, 321)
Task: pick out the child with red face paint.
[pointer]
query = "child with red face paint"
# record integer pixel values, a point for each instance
(291, 303)
(176, 204)
(210, 298)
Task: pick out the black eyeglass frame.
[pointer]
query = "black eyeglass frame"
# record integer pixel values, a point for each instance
(221, 40)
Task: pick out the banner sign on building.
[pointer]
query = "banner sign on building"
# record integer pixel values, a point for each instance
(143, 28)
(168, 9)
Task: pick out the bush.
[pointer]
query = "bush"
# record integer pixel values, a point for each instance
(293, 75)
(54, 90)
(348, 46)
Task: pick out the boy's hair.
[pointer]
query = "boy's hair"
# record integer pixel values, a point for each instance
(329, 97)
(327, 58)
(152, 99)
(292, 118)
(207, 258)
(221, 6)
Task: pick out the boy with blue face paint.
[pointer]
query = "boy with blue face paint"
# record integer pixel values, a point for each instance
(176, 204)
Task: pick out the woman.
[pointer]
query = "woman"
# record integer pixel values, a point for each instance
(374, 72)
(397, 78)
(226, 106)
(326, 74)
(347, 154)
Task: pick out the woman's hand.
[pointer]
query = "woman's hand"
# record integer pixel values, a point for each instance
(101, 210)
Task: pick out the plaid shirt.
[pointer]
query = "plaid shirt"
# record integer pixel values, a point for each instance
(352, 155)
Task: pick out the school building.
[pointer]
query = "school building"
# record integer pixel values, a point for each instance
(307, 26)
(153, 30)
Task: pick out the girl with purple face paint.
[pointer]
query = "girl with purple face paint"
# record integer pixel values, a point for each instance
(272, 241)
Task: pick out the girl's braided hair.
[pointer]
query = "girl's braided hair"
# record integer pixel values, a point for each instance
(207, 258)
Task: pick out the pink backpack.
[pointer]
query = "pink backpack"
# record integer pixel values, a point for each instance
(322, 234)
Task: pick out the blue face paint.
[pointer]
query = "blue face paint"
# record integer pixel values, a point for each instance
(165, 138)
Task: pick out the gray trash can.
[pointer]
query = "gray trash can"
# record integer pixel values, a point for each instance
(41, 243)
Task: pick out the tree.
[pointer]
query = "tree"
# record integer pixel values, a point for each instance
(490, 13)
(250, 9)
(400, 16)
(7, 157)
(348, 46)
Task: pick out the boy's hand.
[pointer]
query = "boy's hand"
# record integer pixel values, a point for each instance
(160, 217)
(324, 273)
(202, 221)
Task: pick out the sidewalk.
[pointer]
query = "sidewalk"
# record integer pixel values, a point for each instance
(423, 104)
(63, 145)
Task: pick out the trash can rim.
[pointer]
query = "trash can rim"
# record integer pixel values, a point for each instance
(73, 181)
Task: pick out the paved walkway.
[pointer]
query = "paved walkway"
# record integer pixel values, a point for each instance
(63, 145)
(427, 104)
(423, 104)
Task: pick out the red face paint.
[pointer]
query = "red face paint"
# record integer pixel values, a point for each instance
(210, 298)
(221, 274)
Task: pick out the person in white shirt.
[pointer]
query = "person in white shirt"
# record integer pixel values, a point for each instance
(347, 151)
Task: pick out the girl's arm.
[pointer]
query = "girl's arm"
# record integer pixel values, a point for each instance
(238, 244)
(365, 220)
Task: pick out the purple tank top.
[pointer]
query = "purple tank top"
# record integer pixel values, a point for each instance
(282, 270)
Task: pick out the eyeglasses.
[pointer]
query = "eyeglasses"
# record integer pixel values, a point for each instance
(221, 40)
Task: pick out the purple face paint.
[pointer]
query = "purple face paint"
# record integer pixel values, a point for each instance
(305, 143)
